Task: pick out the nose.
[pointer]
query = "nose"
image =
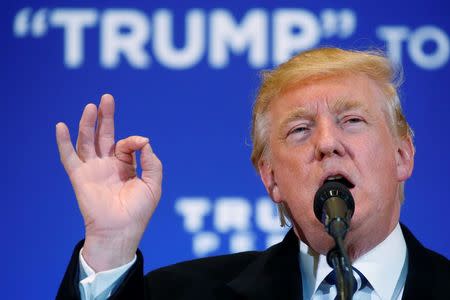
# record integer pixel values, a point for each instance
(328, 140)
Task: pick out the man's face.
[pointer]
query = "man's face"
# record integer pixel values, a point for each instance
(336, 127)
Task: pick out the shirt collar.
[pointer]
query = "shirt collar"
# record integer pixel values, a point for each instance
(382, 265)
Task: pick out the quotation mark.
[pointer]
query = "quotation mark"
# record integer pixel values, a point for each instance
(28, 23)
(340, 23)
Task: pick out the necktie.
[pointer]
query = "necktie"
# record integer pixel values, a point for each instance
(359, 280)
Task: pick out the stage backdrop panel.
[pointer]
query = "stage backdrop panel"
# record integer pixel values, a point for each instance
(185, 73)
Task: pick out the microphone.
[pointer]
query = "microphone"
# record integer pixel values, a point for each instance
(334, 207)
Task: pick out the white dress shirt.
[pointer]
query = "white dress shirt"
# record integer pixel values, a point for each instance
(99, 286)
(385, 267)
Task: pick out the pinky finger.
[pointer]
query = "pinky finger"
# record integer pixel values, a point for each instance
(67, 154)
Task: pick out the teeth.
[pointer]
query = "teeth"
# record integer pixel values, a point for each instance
(334, 177)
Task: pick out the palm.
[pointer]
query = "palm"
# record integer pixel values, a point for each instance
(110, 195)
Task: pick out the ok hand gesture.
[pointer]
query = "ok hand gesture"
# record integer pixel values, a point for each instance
(115, 203)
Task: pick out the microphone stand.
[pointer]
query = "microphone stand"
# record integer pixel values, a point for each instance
(337, 258)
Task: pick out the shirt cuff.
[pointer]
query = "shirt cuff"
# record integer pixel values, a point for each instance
(100, 285)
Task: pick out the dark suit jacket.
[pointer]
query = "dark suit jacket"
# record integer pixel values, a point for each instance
(270, 274)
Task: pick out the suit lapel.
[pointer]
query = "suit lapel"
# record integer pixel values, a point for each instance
(420, 279)
(274, 275)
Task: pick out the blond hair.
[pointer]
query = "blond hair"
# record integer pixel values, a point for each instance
(309, 66)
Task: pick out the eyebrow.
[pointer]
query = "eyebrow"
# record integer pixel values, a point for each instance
(297, 113)
(342, 104)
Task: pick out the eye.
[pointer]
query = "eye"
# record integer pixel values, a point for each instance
(300, 129)
(352, 122)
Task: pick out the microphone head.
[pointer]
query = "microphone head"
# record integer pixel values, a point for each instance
(332, 189)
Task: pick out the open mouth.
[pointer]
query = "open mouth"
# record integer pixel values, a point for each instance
(341, 179)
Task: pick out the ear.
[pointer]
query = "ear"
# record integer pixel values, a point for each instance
(405, 158)
(268, 178)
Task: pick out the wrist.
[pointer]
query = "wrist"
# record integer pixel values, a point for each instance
(105, 253)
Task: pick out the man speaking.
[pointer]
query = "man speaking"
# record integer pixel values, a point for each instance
(326, 116)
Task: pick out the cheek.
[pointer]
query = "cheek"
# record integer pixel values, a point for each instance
(378, 169)
(382, 160)
(290, 164)
(375, 153)
(293, 175)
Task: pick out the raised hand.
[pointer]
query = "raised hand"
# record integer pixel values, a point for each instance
(115, 203)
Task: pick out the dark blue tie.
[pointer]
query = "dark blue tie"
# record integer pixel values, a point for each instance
(357, 285)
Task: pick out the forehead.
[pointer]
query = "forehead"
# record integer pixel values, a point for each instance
(335, 94)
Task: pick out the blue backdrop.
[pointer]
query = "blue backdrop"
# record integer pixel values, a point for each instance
(185, 74)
